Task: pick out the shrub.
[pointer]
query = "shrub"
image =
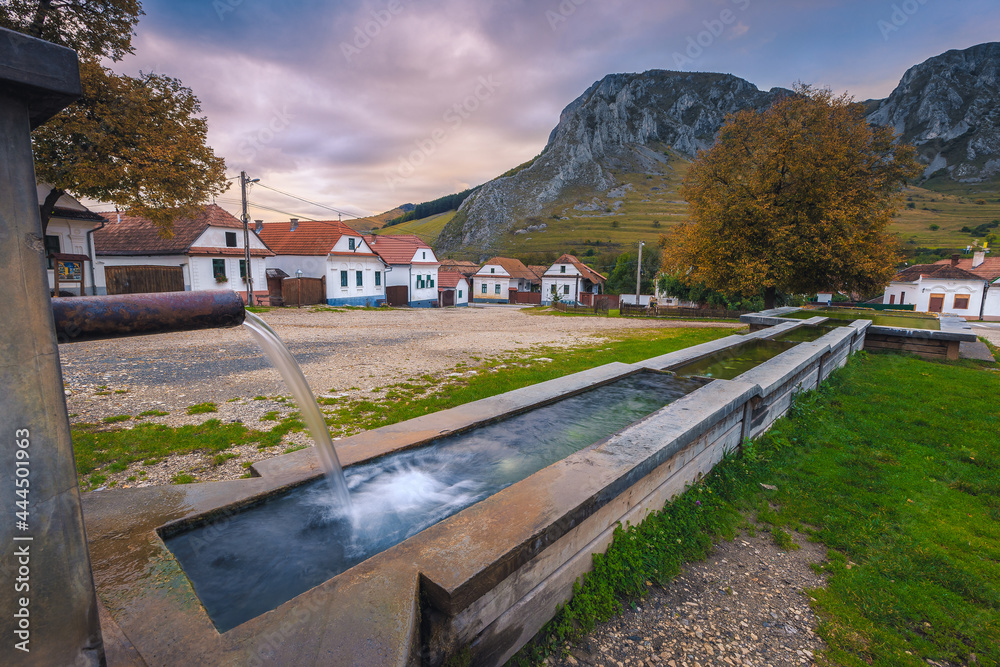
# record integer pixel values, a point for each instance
(934, 228)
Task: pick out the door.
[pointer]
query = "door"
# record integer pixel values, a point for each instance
(448, 297)
(397, 295)
(937, 303)
(143, 279)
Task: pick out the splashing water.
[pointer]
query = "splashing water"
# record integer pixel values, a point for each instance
(275, 350)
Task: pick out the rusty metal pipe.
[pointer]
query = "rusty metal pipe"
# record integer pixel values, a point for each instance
(97, 317)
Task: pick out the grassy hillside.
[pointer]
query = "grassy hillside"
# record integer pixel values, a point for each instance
(649, 204)
(374, 221)
(426, 228)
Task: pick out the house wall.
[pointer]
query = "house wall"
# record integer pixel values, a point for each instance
(991, 309)
(215, 237)
(368, 293)
(462, 293)
(202, 275)
(919, 293)
(72, 239)
(312, 266)
(573, 281)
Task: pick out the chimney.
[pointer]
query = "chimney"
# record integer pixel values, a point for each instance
(978, 258)
(295, 223)
(954, 259)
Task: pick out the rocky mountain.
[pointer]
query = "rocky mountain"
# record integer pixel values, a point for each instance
(949, 106)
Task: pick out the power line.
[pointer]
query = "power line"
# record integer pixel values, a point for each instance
(290, 215)
(312, 203)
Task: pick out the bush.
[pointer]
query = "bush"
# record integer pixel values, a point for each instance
(934, 228)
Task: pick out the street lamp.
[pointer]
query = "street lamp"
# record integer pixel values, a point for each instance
(638, 272)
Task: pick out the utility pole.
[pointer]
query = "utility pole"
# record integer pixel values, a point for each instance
(244, 180)
(638, 273)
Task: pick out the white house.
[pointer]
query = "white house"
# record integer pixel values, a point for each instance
(572, 280)
(500, 276)
(413, 269)
(206, 252)
(938, 288)
(453, 289)
(69, 232)
(355, 275)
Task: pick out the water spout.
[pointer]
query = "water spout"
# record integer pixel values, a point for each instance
(283, 360)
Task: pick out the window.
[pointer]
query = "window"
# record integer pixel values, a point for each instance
(360, 278)
(219, 270)
(230, 239)
(484, 288)
(961, 302)
(497, 290)
(350, 244)
(51, 246)
(562, 269)
(378, 278)
(243, 269)
(892, 299)
(423, 255)
(420, 282)
(565, 289)
(431, 280)
(459, 294)
(493, 270)
(343, 278)
(554, 288)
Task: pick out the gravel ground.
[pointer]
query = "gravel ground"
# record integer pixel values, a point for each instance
(744, 605)
(343, 355)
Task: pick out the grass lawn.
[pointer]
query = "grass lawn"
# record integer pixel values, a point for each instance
(894, 465)
(102, 449)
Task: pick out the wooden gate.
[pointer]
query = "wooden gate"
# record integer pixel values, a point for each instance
(397, 295)
(447, 298)
(303, 291)
(143, 279)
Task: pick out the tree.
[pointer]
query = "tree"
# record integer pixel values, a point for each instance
(622, 278)
(137, 142)
(796, 198)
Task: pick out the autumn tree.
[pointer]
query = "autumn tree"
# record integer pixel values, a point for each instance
(796, 198)
(137, 142)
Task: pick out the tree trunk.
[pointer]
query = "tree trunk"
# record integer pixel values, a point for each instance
(770, 297)
(49, 205)
(41, 13)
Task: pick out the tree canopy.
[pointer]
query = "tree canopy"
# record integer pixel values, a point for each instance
(796, 198)
(138, 142)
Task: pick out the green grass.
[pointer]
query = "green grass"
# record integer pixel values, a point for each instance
(116, 419)
(153, 413)
(950, 206)
(894, 465)
(202, 408)
(412, 399)
(182, 478)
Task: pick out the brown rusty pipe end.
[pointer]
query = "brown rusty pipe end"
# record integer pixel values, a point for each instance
(96, 317)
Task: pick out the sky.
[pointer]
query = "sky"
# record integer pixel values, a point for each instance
(360, 106)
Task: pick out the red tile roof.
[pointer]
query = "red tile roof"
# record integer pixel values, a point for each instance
(988, 270)
(135, 235)
(449, 279)
(229, 252)
(514, 267)
(936, 271)
(399, 248)
(310, 237)
(462, 266)
(586, 271)
(537, 269)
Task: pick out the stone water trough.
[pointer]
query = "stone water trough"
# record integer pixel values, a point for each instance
(481, 582)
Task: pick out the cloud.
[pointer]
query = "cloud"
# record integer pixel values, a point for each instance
(738, 30)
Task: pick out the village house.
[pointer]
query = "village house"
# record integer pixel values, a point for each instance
(206, 252)
(69, 233)
(501, 280)
(412, 278)
(948, 287)
(572, 280)
(453, 289)
(330, 250)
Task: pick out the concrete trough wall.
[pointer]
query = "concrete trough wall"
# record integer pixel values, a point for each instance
(484, 580)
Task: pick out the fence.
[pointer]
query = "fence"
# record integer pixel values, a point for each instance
(303, 291)
(143, 279)
(600, 307)
(534, 298)
(630, 310)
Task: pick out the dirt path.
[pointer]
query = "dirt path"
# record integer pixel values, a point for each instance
(347, 353)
